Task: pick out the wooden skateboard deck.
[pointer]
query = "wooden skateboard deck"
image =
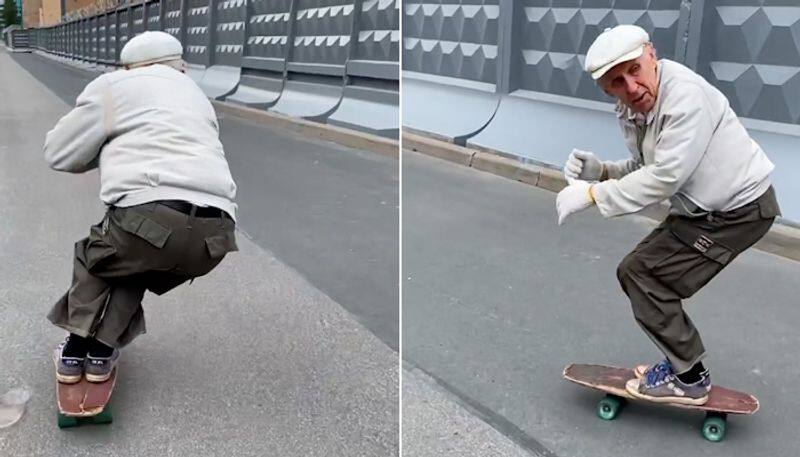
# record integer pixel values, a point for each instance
(84, 400)
(612, 380)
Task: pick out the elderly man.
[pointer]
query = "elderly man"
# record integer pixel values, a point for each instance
(687, 146)
(163, 175)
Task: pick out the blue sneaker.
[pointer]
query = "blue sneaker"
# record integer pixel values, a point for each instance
(660, 384)
(98, 369)
(69, 370)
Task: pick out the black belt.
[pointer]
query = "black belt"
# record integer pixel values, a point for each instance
(200, 211)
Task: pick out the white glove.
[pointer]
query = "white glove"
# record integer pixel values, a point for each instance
(583, 165)
(572, 199)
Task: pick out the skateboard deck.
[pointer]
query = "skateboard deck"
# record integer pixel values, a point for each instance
(611, 380)
(85, 402)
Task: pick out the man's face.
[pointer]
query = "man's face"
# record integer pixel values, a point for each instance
(635, 82)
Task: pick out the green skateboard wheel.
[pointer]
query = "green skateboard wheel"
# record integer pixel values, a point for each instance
(714, 428)
(104, 417)
(608, 408)
(66, 421)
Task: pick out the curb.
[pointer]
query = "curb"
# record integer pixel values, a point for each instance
(346, 137)
(782, 239)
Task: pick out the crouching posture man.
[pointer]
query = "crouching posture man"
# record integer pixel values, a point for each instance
(687, 146)
(154, 137)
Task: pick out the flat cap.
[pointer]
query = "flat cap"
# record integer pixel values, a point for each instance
(615, 45)
(150, 47)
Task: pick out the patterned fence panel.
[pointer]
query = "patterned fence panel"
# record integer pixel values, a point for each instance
(153, 16)
(319, 46)
(172, 18)
(196, 47)
(265, 52)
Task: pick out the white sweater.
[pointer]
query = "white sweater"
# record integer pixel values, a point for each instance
(154, 136)
(694, 151)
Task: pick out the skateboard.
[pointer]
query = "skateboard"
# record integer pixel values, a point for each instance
(85, 402)
(611, 380)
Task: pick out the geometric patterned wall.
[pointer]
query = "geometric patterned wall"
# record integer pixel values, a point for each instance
(153, 19)
(102, 38)
(551, 41)
(197, 36)
(172, 18)
(113, 34)
(379, 36)
(138, 19)
(268, 29)
(316, 59)
(124, 30)
(751, 52)
(749, 49)
(94, 51)
(322, 32)
(230, 20)
(452, 38)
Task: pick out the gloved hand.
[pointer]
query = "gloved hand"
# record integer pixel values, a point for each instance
(572, 199)
(583, 165)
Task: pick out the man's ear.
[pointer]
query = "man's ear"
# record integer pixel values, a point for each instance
(651, 50)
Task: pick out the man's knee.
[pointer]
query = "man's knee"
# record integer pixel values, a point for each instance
(627, 268)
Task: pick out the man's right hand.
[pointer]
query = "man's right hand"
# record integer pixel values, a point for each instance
(583, 165)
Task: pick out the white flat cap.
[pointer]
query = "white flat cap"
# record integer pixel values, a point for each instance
(615, 45)
(150, 47)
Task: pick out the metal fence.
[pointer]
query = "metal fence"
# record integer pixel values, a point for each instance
(333, 61)
(16, 39)
(508, 75)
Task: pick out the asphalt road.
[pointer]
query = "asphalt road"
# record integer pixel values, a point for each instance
(497, 300)
(257, 358)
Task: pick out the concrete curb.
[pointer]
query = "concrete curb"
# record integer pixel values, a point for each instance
(343, 136)
(782, 239)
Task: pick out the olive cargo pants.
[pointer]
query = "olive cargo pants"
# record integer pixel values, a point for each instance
(676, 260)
(145, 247)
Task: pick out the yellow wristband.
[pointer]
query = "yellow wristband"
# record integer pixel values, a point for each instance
(591, 195)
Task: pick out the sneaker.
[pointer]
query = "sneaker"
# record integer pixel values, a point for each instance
(69, 370)
(660, 384)
(99, 369)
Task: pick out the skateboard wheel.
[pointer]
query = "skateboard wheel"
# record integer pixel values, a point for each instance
(609, 407)
(66, 421)
(714, 428)
(104, 417)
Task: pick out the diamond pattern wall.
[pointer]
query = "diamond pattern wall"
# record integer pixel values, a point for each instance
(172, 18)
(452, 38)
(153, 19)
(268, 28)
(138, 20)
(322, 31)
(230, 29)
(555, 35)
(751, 52)
(379, 34)
(196, 46)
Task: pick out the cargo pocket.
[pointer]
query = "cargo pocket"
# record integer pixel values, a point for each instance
(219, 245)
(144, 227)
(97, 251)
(768, 205)
(688, 259)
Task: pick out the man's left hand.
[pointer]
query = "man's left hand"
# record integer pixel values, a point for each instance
(573, 198)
